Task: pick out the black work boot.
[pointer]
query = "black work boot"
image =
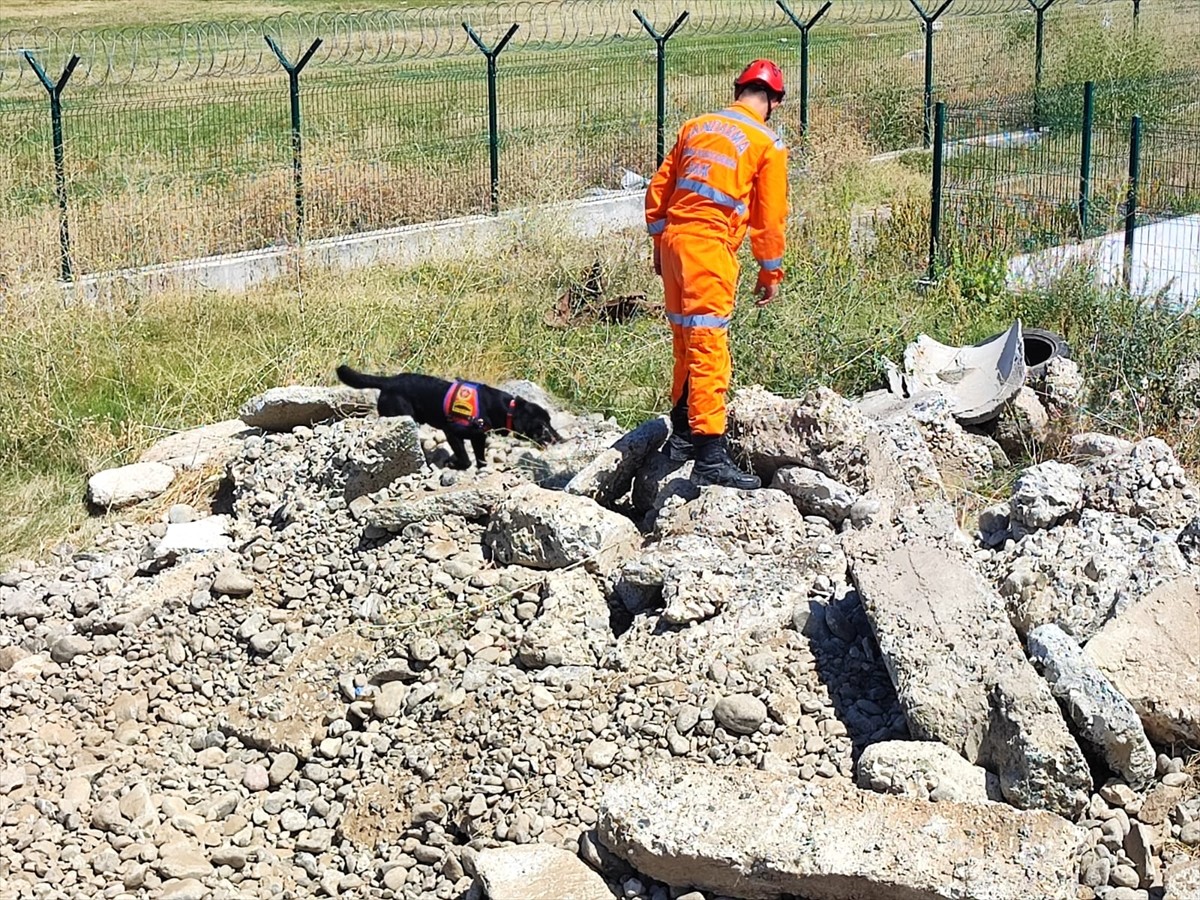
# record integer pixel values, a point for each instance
(679, 445)
(713, 465)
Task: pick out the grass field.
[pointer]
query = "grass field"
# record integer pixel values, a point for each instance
(88, 14)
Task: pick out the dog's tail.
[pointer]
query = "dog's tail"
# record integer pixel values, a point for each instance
(356, 379)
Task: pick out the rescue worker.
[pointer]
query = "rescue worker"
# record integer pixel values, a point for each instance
(726, 174)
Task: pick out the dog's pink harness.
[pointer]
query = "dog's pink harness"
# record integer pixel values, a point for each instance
(461, 406)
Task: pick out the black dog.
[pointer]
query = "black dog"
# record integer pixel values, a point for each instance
(464, 410)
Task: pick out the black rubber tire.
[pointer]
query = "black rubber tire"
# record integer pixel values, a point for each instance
(1041, 346)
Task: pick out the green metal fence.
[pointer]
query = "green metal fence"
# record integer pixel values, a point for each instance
(1114, 183)
(193, 140)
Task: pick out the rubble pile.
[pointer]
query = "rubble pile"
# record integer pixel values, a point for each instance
(574, 674)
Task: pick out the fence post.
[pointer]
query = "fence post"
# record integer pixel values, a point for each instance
(805, 28)
(1085, 158)
(493, 114)
(293, 73)
(660, 41)
(1039, 45)
(1131, 201)
(55, 89)
(935, 204)
(928, 21)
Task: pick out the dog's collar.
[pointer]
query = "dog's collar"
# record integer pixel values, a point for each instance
(508, 420)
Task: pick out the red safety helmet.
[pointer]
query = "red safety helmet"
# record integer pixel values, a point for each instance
(764, 72)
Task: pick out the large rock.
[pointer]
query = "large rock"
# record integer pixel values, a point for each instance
(572, 628)
(473, 500)
(1028, 746)
(815, 493)
(1151, 653)
(537, 872)
(925, 770)
(196, 448)
(1079, 575)
(1147, 482)
(1022, 425)
(545, 529)
(1103, 718)
(938, 624)
(1181, 881)
(776, 836)
(822, 431)
(283, 408)
(825, 432)
(127, 485)
(376, 457)
(608, 477)
(1045, 494)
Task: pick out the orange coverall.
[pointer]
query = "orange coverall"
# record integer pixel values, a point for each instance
(726, 173)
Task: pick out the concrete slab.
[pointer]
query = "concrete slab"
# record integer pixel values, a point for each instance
(1166, 258)
(761, 836)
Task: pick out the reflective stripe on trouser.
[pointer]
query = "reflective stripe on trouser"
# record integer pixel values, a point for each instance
(699, 280)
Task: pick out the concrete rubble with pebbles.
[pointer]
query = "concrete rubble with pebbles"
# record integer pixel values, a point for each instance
(387, 675)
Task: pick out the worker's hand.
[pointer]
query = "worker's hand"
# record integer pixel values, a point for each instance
(657, 259)
(766, 291)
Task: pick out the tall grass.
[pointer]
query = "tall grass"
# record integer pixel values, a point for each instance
(89, 388)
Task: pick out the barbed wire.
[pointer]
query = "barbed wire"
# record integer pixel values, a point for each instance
(203, 50)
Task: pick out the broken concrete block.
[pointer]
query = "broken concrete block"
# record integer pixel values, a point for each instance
(925, 770)
(822, 431)
(608, 477)
(1045, 494)
(537, 872)
(815, 493)
(283, 408)
(127, 485)
(1094, 445)
(1148, 482)
(572, 628)
(1078, 576)
(474, 500)
(939, 623)
(378, 455)
(1023, 424)
(1028, 746)
(757, 522)
(658, 480)
(195, 448)
(1063, 388)
(1103, 718)
(760, 836)
(1181, 881)
(545, 529)
(1151, 653)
